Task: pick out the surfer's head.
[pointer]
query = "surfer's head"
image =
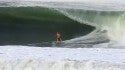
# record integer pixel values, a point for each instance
(57, 32)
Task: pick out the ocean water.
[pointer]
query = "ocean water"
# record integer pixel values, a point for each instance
(37, 26)
(93, 34)
(35, 23)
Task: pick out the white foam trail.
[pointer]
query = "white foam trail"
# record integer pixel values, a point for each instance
(32, 58)
(33, 64)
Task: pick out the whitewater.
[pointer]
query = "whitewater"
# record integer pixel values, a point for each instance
(32, 58)
(106, 16)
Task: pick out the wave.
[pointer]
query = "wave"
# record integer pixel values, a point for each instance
(109, 24)
(37, 26)
(106, 17)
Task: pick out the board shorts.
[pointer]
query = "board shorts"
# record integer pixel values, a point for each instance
(59, 39)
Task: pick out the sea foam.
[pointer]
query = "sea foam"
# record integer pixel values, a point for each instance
(32, 58)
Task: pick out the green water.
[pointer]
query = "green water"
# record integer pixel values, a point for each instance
(29, 25)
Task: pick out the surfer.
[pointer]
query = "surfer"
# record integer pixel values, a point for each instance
(58, 37)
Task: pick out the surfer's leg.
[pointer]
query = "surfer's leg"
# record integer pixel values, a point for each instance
(57, 40)
(60, 39)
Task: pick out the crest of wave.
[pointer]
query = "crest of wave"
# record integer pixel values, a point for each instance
(109, 24)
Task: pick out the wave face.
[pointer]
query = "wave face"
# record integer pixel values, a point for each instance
(36, 26)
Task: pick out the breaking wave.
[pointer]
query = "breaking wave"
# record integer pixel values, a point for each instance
(105, 16)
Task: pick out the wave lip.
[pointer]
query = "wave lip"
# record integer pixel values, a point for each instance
(86, 5)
